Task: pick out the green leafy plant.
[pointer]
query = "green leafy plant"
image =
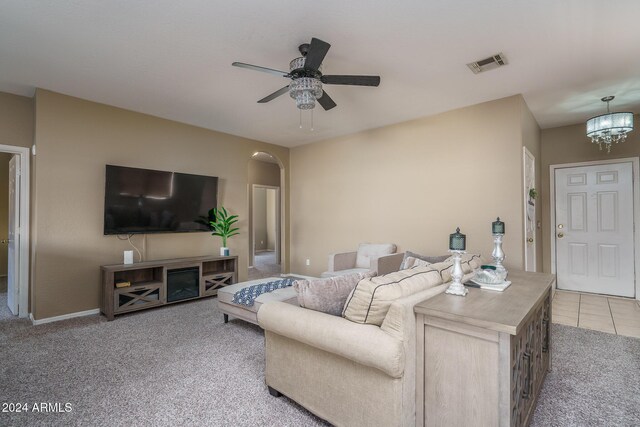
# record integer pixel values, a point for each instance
(222, 224)
(533, 193)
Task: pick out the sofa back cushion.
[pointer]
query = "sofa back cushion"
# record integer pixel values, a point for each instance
(371, 298)
(327, 295)
(368, 251)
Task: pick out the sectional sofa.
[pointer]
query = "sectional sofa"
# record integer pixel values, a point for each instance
(359, 372)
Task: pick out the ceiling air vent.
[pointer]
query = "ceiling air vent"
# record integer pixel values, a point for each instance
(495, 61)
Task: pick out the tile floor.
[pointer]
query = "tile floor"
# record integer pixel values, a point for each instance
(607, 314)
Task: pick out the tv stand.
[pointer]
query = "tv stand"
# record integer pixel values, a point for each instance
(149, 283)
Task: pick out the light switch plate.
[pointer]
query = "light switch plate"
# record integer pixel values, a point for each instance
(128, 257)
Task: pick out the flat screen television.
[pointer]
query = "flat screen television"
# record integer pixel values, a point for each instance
(141, 201)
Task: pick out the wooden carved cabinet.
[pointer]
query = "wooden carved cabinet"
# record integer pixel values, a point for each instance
(482, 359)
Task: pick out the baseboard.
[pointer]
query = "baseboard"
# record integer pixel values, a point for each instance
(63, 317)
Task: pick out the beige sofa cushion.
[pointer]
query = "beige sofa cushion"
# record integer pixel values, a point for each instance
(328, 295)
(371, 298)
(368, 251)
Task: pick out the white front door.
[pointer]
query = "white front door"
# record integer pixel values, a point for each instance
(594, 229)
(529, 211)
(13, 241)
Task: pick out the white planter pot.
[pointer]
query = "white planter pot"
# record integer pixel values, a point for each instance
(224, 251)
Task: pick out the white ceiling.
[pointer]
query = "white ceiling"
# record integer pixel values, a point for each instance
(173, 58)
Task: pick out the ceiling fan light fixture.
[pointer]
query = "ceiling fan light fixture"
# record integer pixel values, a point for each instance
(305, 90)
(307, 79)
(609, 128)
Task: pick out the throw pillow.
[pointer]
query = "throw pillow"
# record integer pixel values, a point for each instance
(327, 295)
(407, 263)
(370, 300)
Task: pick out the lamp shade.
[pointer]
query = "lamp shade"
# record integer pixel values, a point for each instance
(497, 227)
(610, 124)
(457, 241)
(610, 128)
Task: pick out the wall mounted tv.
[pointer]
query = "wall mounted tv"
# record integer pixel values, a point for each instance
(148, 201)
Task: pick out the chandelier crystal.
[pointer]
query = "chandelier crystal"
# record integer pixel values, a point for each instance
(609, 128)
(305, 90)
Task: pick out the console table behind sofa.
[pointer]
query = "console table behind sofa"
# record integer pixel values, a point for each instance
(482, 358)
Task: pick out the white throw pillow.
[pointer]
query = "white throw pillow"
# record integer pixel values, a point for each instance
(368, 251)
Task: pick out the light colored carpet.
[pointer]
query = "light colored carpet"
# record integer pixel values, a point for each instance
(180, 365)
(595, 380)
(264, 265)
(177, 365)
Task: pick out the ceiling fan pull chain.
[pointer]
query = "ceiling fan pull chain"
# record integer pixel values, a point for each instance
(311, 120)
(300, 119)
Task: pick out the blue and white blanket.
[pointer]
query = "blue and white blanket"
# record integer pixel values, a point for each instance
(247, 296)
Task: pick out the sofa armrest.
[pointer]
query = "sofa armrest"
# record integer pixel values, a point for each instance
(342, 261)
(400, 319)
(364, 344)
(387, 263)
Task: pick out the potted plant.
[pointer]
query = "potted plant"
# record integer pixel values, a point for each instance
(222, 226)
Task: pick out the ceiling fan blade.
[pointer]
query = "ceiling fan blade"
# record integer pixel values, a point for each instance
(326, 101)
(317, 51)
(258, 68)
(274, 95)
(351, 80)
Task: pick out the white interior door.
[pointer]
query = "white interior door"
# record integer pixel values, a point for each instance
(13, 241)
(594, 229)
(529, 212)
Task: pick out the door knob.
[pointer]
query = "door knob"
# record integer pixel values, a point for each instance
(530, 240)
(560, 235)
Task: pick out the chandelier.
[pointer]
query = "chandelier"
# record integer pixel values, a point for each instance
(305, 90)
(609, 128)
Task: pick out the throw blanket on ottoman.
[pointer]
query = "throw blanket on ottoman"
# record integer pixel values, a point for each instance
(247, 296)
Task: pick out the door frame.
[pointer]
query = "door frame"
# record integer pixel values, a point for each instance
(278, 223)
(635, 166)
(22, 275)
(526, 153)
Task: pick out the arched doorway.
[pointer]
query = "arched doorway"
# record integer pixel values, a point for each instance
(265, 216)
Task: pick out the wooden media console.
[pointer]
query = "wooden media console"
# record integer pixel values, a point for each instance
(157, 283)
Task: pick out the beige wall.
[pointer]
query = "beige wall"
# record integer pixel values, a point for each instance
(412, 184)
(569, 144)
(16, 120)
(75, 139)
(4, 209)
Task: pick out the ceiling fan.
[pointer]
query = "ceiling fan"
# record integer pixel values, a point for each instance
(307, 79)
